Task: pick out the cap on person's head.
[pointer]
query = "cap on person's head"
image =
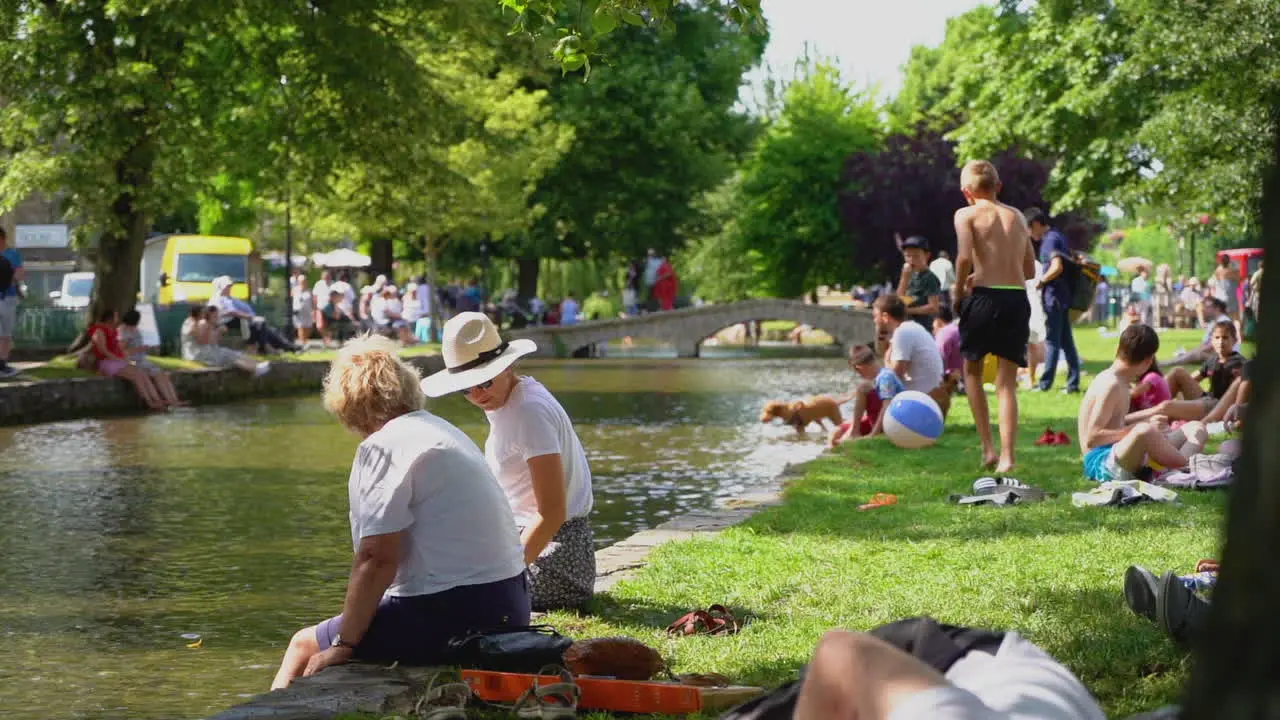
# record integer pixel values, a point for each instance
(916, 242)
(221, 283)
(1035, 215)
(474, 353)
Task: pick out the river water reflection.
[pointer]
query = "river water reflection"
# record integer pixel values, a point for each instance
(117, 537)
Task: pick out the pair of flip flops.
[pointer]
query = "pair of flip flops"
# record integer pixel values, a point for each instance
(715, 620)
(551, 701)
(1000, 491)
(1051, 438)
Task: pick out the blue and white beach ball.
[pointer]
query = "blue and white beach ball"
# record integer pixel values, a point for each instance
(913, 420)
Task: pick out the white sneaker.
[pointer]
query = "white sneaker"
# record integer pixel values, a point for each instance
(262, 369)
(9, 371)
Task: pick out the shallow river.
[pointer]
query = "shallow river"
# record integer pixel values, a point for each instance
(117, 537)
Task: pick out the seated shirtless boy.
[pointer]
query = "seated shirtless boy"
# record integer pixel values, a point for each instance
(876, 386)
(994, 244)
(1115, 450)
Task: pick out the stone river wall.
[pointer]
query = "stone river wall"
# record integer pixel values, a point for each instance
(22, 403)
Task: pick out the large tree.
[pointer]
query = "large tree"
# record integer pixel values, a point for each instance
(1138, 102)
(654, 129)
(788, 211)
(124, 107)
(911, 186)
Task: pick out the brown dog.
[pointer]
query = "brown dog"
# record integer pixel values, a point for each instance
(801, 413)
(942, 394)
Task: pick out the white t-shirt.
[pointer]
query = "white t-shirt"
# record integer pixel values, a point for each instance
(530, 425)
(945, 272)
(423, 475)
(321, 291)
(378, 310)
(348, 294)
(911, 342)
(412, 308)
(1019, 682)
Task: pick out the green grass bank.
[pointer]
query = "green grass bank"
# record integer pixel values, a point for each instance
(1050, 570)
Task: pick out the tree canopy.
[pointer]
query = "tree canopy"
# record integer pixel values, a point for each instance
(653, 129)
(1137, 102)
(790, 186)
(912, 187)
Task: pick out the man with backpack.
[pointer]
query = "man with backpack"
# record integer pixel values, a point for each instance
(1056, 293)
(11, 274)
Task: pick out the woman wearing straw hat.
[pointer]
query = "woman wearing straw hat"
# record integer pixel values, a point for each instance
(534, 451)
(436, 551)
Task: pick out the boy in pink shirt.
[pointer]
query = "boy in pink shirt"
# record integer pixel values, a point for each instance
(946, 332)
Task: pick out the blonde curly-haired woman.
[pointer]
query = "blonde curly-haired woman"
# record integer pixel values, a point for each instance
(436, 548)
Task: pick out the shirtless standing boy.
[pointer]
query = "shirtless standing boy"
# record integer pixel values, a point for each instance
(1113, 450)
(995, 246)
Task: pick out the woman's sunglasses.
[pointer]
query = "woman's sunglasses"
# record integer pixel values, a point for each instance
(482, 386)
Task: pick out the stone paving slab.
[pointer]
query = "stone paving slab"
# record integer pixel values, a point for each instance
(341, 689)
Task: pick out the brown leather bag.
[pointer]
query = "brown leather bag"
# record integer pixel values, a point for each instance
(619, 657)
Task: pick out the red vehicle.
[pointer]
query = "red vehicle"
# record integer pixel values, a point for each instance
(1247, 261)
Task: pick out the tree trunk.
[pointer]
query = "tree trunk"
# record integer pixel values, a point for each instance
(527, 267)
(119, 250)
(431, 251)
(1237, 661)
(382, 256)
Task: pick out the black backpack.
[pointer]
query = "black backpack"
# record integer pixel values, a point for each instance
(6, 274)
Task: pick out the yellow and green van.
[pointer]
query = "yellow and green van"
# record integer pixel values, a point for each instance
(182, 268)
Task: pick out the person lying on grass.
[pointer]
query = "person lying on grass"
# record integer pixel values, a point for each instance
(1114, 449)
(875, 387)
(918, 668)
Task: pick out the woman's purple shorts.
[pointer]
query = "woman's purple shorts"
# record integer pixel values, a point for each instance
(416, 630)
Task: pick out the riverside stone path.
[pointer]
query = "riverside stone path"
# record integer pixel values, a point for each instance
(379, 689)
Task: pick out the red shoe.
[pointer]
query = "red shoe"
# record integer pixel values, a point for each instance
(1062, 439)
(1048, 438)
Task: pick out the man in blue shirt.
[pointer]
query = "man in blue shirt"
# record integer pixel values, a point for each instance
(1055, 291)
(568, 310)
(10, 279)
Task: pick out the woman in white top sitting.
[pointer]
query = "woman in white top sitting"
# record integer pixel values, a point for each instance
(201, 338)
(436, 551)
(534, 451)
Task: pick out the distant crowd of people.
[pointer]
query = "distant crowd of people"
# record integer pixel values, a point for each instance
(1163, 302)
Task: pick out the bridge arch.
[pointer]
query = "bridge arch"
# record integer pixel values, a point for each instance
(688, 327)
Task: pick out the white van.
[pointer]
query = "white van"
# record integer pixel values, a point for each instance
(77, 290)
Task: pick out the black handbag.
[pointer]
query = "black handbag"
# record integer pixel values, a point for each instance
(516, 649)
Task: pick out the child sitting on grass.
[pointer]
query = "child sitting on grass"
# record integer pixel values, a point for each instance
(1114, 449)
(877, 385)
(1150, 391)
(1221, 370)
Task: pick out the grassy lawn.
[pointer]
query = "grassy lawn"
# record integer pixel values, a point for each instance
(64, 366)
(1050, 571)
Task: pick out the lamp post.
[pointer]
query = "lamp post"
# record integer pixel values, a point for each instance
(484, 266)
(288, 216)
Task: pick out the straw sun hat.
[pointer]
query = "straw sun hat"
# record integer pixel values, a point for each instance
(474, 354)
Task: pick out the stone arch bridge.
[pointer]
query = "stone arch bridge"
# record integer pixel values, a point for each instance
(688, 327)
